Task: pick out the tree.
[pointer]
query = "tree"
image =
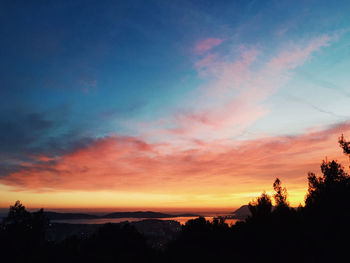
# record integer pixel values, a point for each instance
(261, 207)
(24, 230)
(115, 243)
(17, 214)
(344, 144)
(332, 172)
(333, 188)
(330, 190)
(281, 194)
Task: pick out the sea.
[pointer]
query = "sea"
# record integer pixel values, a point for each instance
(181, 220)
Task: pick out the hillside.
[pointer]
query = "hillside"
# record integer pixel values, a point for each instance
(242, 212)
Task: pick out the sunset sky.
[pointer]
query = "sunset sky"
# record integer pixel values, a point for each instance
(169, 104)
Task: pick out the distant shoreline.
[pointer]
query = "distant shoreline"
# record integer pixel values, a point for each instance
(137, 214)
(238, 214)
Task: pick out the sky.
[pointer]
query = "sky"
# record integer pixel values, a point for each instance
(169, 104)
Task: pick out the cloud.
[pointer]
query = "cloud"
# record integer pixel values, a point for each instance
(22, 129)
(236, 86)
(296, 57)
(25, 135)
(193, 150)
(207, 44)
(129, 164)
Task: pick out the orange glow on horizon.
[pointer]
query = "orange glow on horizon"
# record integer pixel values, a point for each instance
(126, 172)
(130, 201)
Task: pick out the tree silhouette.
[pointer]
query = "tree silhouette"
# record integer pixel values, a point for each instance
(17, 214)
(23, 234)
(281, 194)
(326, 214)
(261, 207)
(328, 188)
(344, 144)
(115, 243)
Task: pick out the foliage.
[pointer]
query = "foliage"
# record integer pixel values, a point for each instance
(281, 194)
(328, 189)
(17, 214)
(23, 234)
(344, 144)
(261, 207)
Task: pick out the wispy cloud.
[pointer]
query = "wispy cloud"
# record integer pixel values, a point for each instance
(236, 87)
(207, 44)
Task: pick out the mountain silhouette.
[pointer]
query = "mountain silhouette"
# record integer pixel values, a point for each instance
(138, 214)
(241, 213)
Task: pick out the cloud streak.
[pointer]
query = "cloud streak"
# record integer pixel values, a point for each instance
(207, 44)
(233, 97)
(130, 164)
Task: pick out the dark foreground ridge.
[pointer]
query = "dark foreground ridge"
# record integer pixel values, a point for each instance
(316, 232)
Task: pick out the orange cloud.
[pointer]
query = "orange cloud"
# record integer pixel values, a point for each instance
(213, 170)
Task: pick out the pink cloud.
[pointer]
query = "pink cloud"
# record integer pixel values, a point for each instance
(207, 44)
(233, 96)
(206, 61)
(299, 54)
(130, 164)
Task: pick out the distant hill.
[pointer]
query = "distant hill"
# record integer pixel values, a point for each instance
(138, 214)
(61, 216)
(242, 212)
